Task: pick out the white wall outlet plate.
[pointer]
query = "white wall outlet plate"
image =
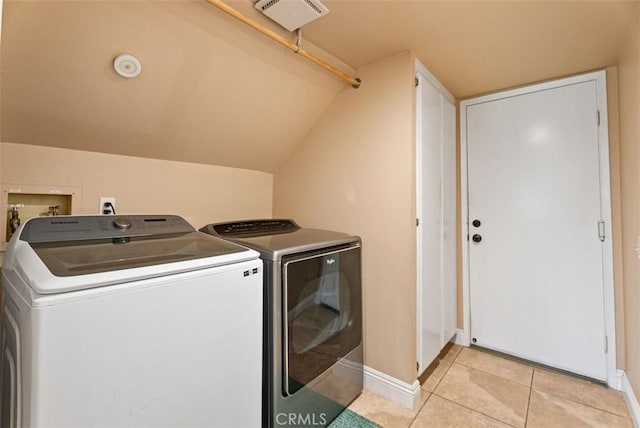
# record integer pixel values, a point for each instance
(107, 205)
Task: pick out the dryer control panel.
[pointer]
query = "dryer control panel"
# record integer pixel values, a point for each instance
(250, 228)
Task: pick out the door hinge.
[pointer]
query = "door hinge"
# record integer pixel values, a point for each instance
(598, 116)
(417, 366)
(417, 82)
(601, 230)
(606, 344)
(417, 222)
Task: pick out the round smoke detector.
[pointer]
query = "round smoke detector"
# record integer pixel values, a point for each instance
(127, 66)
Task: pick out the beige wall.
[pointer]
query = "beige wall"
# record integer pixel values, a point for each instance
(200, 193)
(355, 172)
(629, 92)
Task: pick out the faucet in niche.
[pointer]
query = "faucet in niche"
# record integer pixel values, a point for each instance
(14, 221)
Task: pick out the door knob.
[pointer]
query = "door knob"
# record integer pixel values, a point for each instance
(476, 223)
(476, 238)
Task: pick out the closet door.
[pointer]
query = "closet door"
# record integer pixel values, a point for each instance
(436, 211)
(449, 226)
(430, 224)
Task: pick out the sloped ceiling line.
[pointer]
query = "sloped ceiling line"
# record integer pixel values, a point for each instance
(214, 91)
(294, 47)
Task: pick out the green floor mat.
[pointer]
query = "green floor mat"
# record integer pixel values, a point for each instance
(349, 419)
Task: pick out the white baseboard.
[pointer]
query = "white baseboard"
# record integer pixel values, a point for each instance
(619, 380)
(630, 397)
(392, 389)
(461, 338)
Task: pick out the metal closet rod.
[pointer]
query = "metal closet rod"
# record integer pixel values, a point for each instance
(354, 81)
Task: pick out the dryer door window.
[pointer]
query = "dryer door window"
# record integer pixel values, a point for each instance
(323, 314)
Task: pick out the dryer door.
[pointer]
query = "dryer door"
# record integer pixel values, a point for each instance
(323, 317)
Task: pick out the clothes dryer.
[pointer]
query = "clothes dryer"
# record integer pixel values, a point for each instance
(129, 321)
(313, 318)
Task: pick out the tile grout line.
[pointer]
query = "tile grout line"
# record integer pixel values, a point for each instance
(421, 408)
(530, 386)
(536, 367)
(474, 410)
(526, 416)
(493, 374)
(504, 379)
(447, 371)
(434, 388)
(443, 375)
(582, 404)
(488, 374)
(431, 393)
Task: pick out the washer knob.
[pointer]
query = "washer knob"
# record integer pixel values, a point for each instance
(122, 223)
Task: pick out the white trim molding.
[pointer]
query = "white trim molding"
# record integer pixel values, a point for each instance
(407, 395)
(431, 78)
(461, 338)
(630, 398)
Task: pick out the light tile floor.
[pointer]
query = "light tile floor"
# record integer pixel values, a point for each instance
(473, 388)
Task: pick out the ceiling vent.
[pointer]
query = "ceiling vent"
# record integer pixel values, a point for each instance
(292, 14)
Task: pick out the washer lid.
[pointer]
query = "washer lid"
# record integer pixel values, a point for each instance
(106, 255)
(53, 255)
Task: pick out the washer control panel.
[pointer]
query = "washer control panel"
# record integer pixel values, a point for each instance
(75, 228)
(122, 223)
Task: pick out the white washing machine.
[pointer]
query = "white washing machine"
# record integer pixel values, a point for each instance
(129, 321)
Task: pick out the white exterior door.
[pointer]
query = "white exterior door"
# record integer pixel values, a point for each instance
(536, 226)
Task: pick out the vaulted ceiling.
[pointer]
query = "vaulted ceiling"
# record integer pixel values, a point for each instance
(214, 91)
(480, 46)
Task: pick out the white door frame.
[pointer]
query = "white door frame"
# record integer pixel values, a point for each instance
(422, 73)
(599, 77)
